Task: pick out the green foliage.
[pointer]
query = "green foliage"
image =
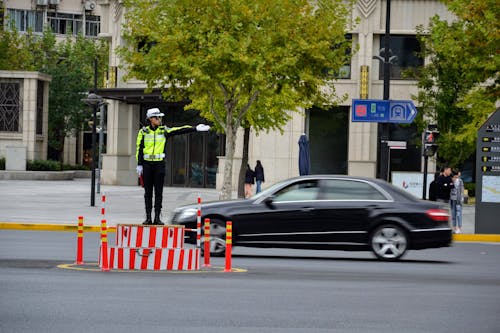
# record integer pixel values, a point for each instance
(2, 163)
(239, 62)
(471, 189)
(71, 66)
(459, 85)
(43, 165)
(72, 75)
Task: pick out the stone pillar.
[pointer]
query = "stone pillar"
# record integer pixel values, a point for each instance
(118, 164)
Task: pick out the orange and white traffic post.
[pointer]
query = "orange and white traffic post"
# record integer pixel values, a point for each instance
(229, 242)
(103, 207)
(198, 224)
(79, 242)
(206, 251)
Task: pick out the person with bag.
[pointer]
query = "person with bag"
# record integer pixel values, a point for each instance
(456, 202)
(249, 181)
(150, 154)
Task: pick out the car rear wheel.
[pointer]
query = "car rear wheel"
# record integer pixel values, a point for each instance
(217, 238)
(389, 242)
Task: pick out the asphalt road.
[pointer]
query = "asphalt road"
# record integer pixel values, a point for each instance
(453, 289)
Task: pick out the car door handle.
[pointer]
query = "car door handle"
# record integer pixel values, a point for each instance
(307, 209)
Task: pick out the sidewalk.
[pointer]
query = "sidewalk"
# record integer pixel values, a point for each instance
(60, 202)
(57, 204)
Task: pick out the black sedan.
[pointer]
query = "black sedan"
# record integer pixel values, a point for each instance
(326, 212)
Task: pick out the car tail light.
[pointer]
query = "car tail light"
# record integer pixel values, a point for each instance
(440, 215)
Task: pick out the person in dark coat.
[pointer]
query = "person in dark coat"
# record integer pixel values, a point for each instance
(259, 176)
(249, 181)
(444, 184)
(433, 188)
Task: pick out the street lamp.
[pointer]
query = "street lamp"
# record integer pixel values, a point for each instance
(383, 128)
(95, 102)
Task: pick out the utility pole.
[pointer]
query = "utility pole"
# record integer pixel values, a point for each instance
(383, 128)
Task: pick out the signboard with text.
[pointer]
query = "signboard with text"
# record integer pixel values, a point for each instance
(383, 111)
(488, 176)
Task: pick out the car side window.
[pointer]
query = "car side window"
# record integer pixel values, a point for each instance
(303, 191)
(345, 189)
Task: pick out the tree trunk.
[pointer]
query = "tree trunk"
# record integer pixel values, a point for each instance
(226, 191)
(244, 162)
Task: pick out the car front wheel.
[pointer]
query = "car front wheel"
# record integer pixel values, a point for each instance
(217, 238)
(389, 242)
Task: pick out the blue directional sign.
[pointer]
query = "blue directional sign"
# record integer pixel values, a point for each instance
(383, 111)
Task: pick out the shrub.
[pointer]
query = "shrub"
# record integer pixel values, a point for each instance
(43, 165)
(471, 188)
(2, 163)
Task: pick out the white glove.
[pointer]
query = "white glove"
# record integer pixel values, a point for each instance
(202, 127)
(139, 170)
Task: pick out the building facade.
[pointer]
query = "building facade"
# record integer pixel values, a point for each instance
(337, 144)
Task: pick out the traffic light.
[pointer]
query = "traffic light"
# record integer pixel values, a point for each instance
(430, 142)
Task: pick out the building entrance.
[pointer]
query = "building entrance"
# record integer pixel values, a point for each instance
(191, 159)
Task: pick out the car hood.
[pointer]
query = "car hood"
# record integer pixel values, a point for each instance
(217, 204)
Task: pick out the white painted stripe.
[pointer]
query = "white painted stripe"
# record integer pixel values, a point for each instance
(151, 259)
(159, 237)
(132, 235)
(145, 237)
(177, 258)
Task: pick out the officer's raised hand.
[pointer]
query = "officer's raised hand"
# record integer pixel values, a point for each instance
(202, 127)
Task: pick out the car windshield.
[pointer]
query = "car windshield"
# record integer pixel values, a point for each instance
(268, 191)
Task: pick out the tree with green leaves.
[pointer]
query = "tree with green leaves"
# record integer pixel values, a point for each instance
(72, 76)
(252, 61)
(459, 85)
(71, 66)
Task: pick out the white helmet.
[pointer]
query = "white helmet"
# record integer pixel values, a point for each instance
(154, 112)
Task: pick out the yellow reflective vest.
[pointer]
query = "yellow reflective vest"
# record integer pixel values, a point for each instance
(151, 143)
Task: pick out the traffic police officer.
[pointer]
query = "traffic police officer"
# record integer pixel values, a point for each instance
(150, 155)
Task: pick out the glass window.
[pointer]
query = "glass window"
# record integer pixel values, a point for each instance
(344, 189)
(9, 107)
(328, 140)
(406, 49)
(344, 72)
(39, 107)
(72, 24)
(303, 191)
(24, 20)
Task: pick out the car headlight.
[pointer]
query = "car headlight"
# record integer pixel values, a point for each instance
(187, 214)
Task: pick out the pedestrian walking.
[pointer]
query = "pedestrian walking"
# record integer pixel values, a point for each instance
(259, 176)
(444, 184)
(249, 181)
(456, 202)
(150, 155)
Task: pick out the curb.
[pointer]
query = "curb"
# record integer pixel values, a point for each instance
(493, 238)
(50, 227)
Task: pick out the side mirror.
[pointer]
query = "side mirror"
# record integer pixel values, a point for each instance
(269, 201)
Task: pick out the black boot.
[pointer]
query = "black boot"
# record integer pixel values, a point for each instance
(148, 218)
(157, 218)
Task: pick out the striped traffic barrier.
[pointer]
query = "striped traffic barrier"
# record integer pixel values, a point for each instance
(154, 259)
(161, 236)
(206, 252)
(104, 263)
(229, 242)
(79, 242)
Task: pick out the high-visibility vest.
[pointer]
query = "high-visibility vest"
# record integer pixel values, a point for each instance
(155, 140)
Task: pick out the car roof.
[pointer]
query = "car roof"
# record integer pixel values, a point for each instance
(388, 187)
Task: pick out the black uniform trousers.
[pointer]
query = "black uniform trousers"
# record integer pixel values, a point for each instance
(153, 176)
